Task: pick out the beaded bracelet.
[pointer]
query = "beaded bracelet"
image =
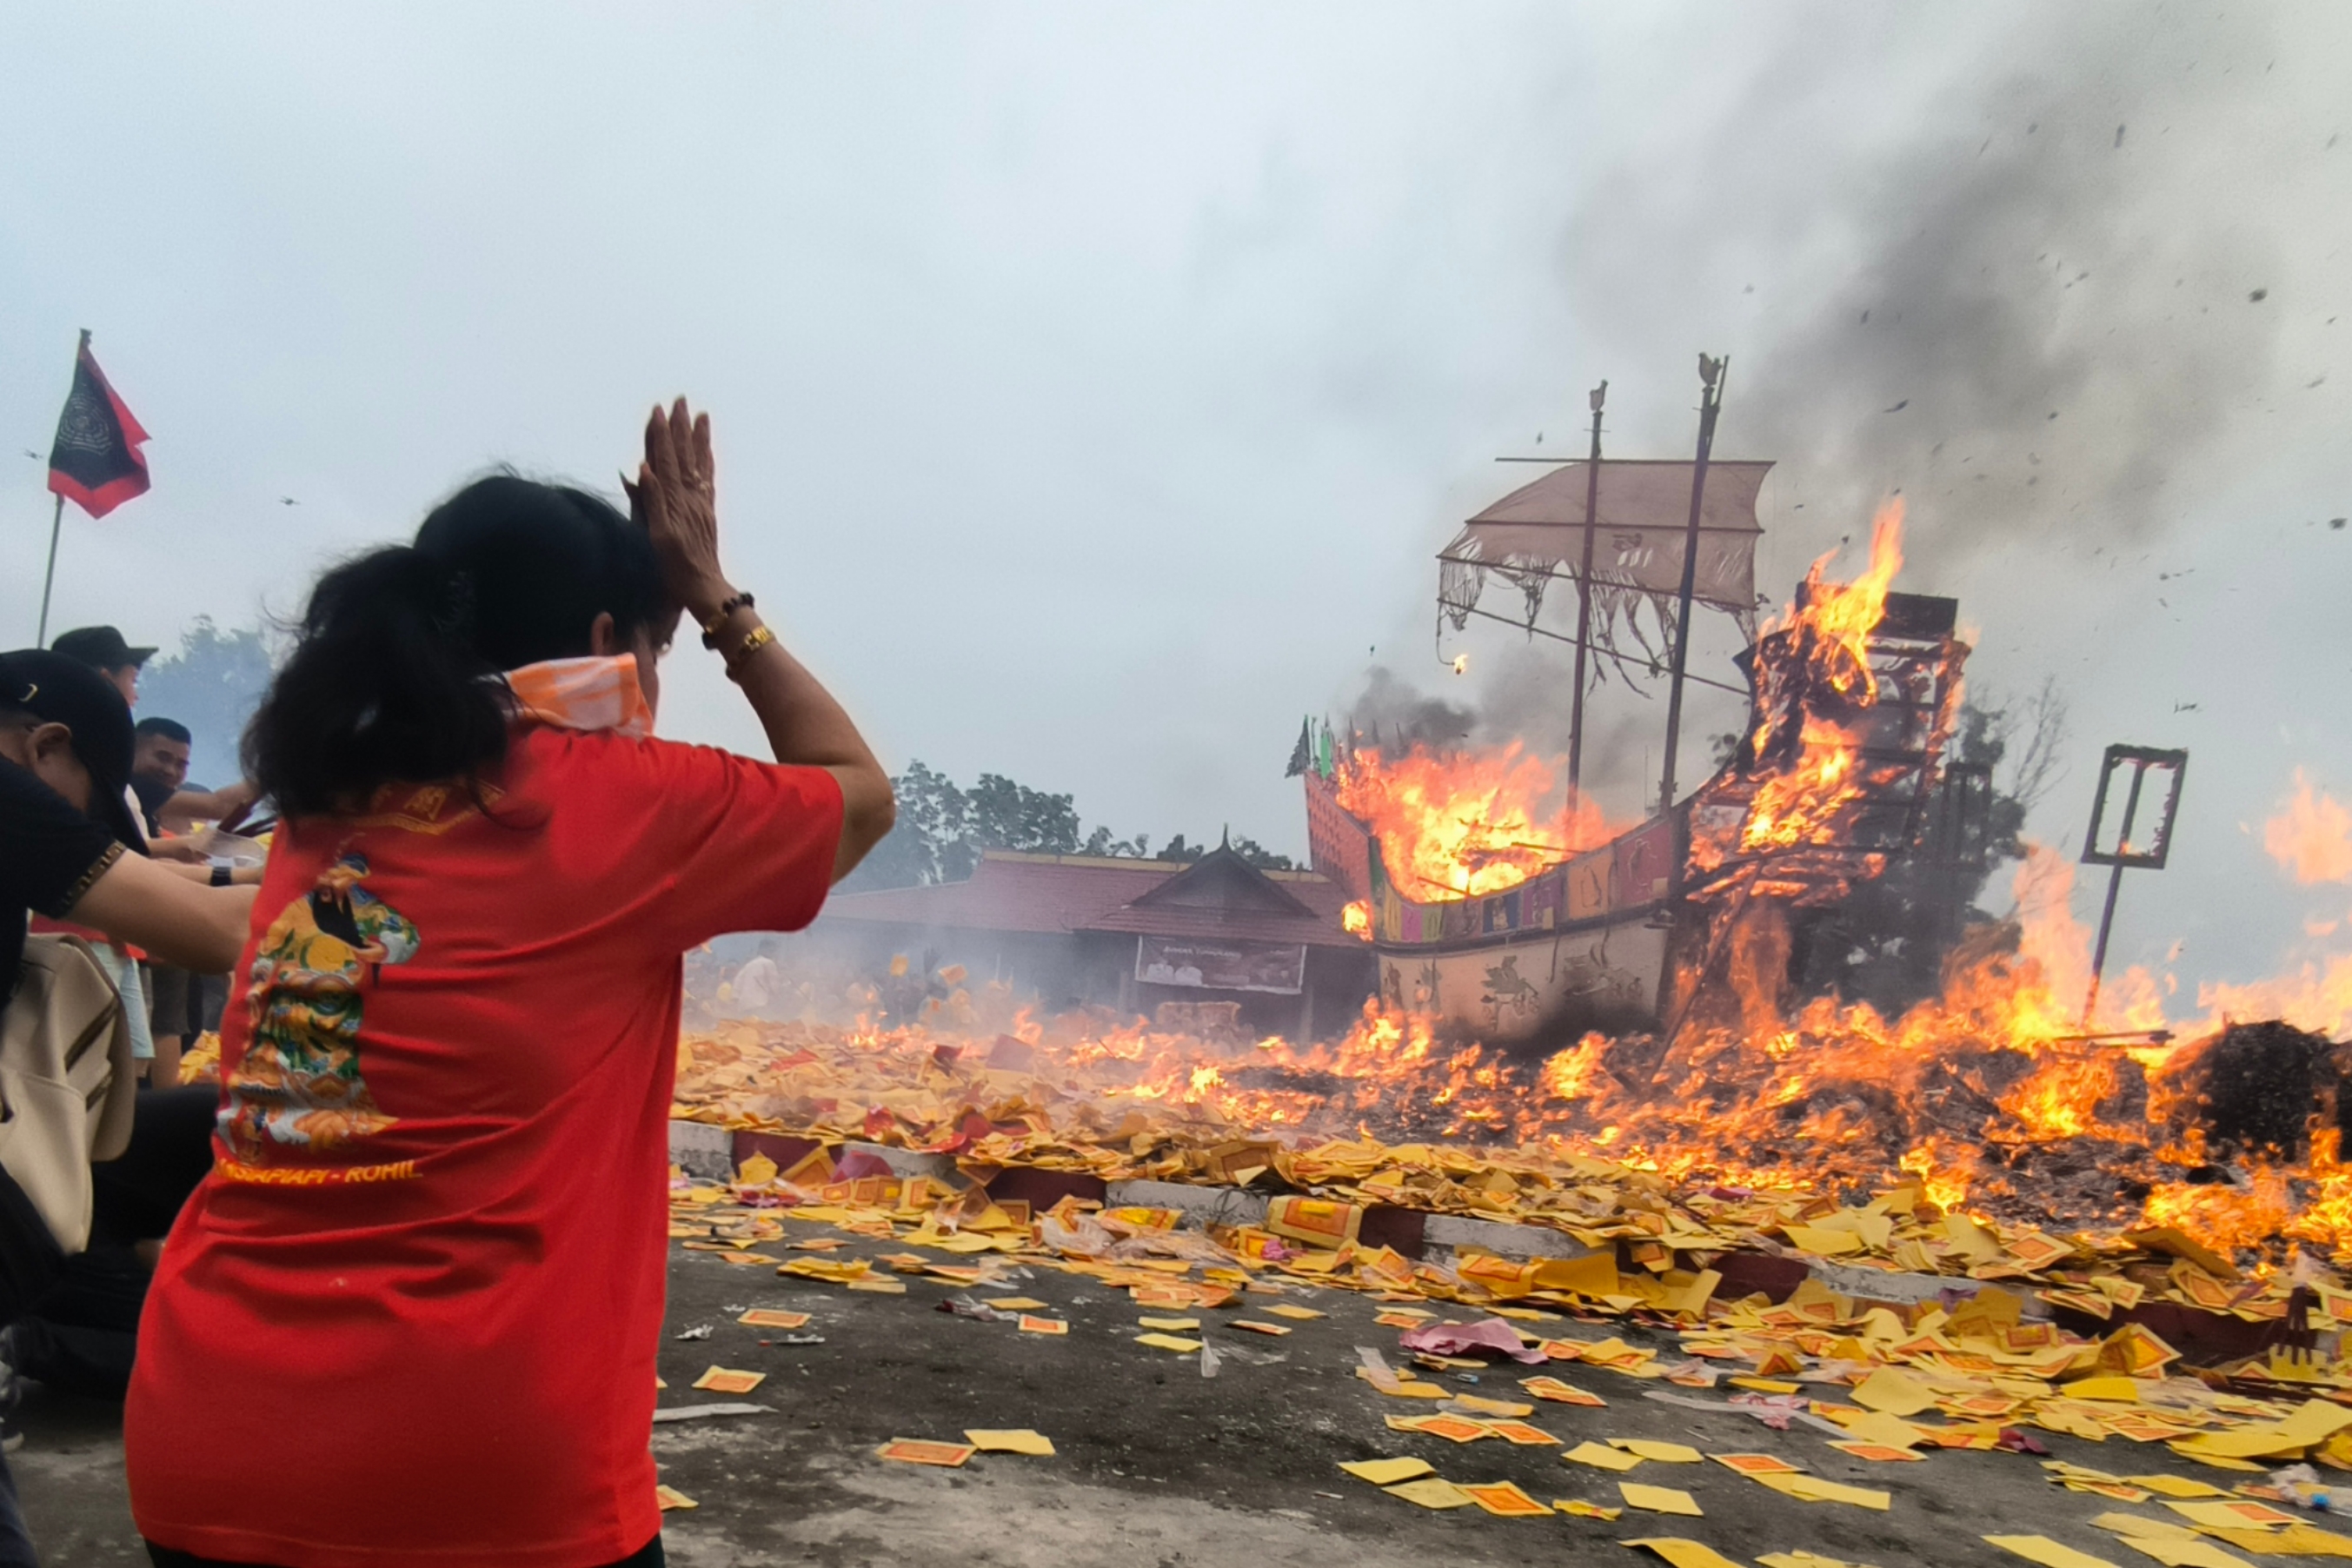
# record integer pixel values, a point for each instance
(711, 627)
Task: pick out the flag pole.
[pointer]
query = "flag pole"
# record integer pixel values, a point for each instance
(57, 521)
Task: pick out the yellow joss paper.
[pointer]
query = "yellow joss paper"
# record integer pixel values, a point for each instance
(1008, 1441)
(1505, 1501)
(1658, 1500)
(669, 1498)
(1894, 1392)
(1802, 1559)
(1016, 1304)
(1284, 1310)
(1577, 1507)
(1431, 1492)
(2175, 1486)
(1665, 1453)
(1601, 1458)
(1813, 1488)
(727, 1380)
(1387, 1472)
(2048, 1552)
(1169, 1342)
(2171, 1545)
(1682, 1552)
(1171, 1323)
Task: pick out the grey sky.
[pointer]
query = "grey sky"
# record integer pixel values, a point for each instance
(1094, 385)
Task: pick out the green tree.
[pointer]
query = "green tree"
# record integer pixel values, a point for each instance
(212, 684)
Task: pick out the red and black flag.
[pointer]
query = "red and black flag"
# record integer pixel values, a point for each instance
(95, 462)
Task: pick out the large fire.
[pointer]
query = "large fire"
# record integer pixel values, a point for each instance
(1994, 1097)
(1457, 825)
(1801, 734)
(1989, 1099)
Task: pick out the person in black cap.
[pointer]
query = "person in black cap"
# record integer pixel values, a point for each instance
(103, 649)
(69, 848)
(68, 844)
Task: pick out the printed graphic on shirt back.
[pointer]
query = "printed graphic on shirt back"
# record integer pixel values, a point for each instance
(299, 1083)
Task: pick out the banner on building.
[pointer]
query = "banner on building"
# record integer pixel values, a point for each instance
(1277, 967)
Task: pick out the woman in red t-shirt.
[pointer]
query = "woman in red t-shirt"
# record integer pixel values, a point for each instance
(410, 1317)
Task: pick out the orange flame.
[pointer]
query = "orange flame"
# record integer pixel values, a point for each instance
(1801, 802)
(1356, 919)
(1461, 824)
(2311, 835)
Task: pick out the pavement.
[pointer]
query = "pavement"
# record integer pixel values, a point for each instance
(1157, 1466)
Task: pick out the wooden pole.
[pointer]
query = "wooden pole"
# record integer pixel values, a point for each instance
(57, 521)
(1584, 601)
(1711, 374)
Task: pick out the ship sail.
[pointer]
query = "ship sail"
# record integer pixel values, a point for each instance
(1535, 536)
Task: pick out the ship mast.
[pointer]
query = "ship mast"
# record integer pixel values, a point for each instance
(1585, 598)
(1711, 375)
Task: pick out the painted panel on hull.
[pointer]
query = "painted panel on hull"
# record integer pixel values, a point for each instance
(1505, 992)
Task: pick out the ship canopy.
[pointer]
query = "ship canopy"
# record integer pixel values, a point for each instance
(1535, 536)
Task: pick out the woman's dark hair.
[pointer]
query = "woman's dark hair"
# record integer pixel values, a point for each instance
(390, 677)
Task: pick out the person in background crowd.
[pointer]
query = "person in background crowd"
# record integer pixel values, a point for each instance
(159, 774)
(159, 777)
(104, 650)
(441, 1183)
(757, 983)
(69, 848)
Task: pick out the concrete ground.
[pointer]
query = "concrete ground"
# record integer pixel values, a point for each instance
(1158, 1467)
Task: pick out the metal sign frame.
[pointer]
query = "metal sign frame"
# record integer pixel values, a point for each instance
(2141, 759)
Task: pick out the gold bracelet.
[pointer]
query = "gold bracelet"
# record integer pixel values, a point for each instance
(754, 640)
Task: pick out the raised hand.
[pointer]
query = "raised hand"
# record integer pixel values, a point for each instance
(676, 498)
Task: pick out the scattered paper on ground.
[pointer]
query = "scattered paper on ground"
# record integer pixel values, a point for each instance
(1387, 1472)
(1813, 1488)
(1665, 1453)
(1601, 1456)
(1658, 1500)
(760, 1318)
(2048, 1552)
(1682, 1553)
(1168, 1342)
(916, 1451)
(727, 1380)
(1431, 1492)
(1008, 1441)
(1504, 1499)
(669, 1498)
(1577, 1507)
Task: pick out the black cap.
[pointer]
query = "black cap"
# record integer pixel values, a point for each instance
(61, 690)
(100, 647)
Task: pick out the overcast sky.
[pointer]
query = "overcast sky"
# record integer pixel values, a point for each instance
(1093, 384)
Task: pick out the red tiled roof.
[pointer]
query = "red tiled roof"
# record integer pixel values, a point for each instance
(1232, 925)
(1051, 893)
(1058, 894)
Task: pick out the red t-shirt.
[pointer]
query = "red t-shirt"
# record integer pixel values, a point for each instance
(410, 1316)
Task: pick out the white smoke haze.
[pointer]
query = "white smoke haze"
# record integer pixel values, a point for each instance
(1094, 385)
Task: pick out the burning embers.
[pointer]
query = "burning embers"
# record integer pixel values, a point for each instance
(1460, 824)
(1851, 709)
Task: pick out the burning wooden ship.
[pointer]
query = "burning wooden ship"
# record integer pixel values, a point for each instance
(1509, 918)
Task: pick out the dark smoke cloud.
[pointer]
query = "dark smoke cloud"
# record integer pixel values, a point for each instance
(2028, 306)
(2023, 272)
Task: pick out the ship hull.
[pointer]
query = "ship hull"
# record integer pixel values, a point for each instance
(1602, 974)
